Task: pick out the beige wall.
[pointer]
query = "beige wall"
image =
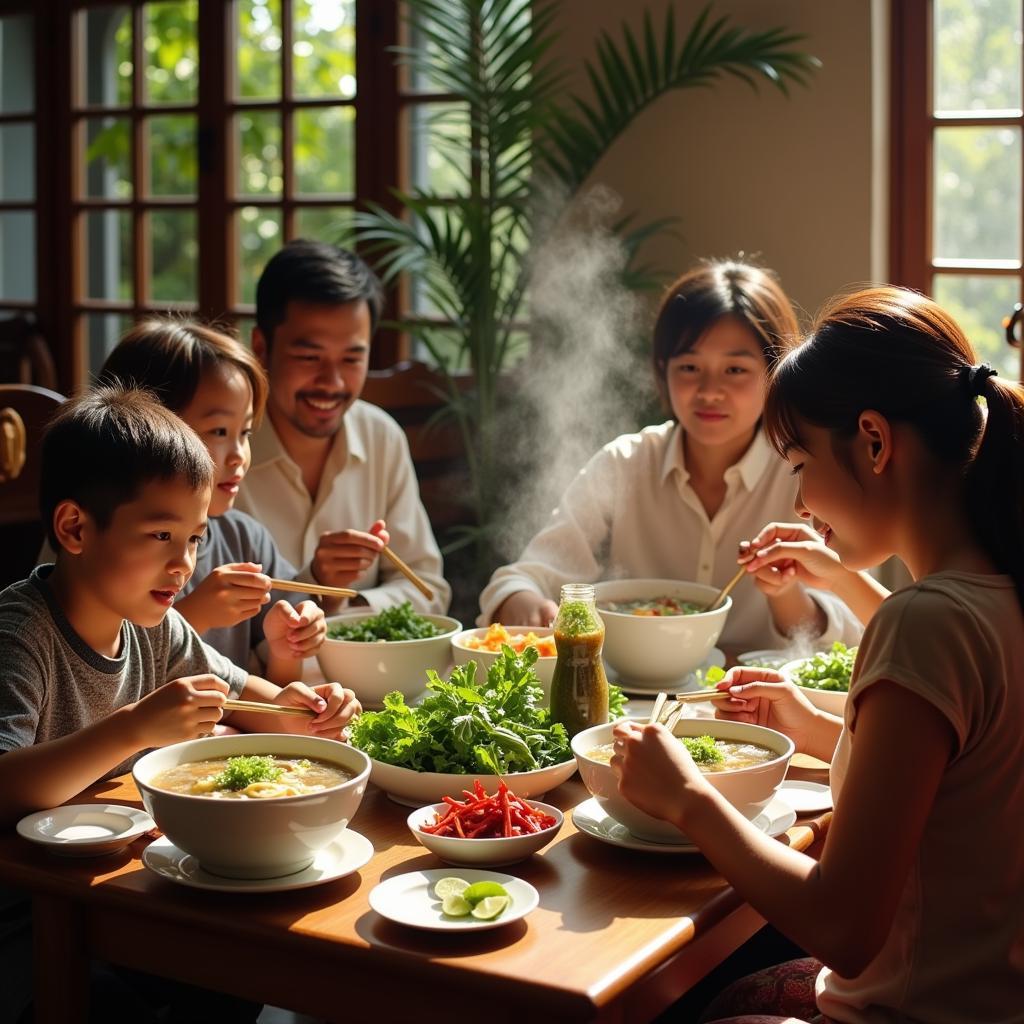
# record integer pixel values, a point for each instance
(799, 181)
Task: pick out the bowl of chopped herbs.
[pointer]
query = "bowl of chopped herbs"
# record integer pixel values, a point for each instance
(375, 653)
(824, 677)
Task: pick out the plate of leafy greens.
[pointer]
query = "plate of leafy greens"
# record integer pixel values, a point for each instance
(469, 726)
(824, 677)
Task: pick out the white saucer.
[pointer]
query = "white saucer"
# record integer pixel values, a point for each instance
(85, 830)
(346, 854)
(806, 797)
(409, 899)
(716, 659)
(590, 818)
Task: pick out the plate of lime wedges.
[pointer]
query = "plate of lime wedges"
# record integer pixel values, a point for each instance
(464, 900)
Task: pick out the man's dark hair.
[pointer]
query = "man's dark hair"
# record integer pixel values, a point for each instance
(104, 446)
(308, 271)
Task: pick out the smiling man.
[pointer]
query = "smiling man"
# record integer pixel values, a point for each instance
(331, 476)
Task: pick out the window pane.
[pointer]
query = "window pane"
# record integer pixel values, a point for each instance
(260, 167)
(324, 223)
(258, 49)
(106, 71)
(243, 329)
(977, 55)
(173, 168)
(979, 303)
(439, 155)
(324, 151)
(102, 332)
(324, 48)
(107, 158)
(174, 254)
(17, 161)
(977, 202)
(17, 255)
(171, 50)
(17, 84)
(108, 248)
(259, 234)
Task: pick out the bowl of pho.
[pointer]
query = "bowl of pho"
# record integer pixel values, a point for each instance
(745, 763)
(655, 632)
(376, 653)
(256, 805)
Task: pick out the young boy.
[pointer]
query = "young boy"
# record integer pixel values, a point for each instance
(96, 664)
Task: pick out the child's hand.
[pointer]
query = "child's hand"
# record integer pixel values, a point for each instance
(342, 557)
(764, 697)
(182, 709)
(784, 554)
(229, 595)
(294, 632)
(526, 608)
(335, 707)
(655, 771)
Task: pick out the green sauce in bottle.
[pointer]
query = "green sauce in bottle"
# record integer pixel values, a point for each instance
(579, 688)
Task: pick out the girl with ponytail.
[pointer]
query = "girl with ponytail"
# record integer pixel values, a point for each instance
(903, 445)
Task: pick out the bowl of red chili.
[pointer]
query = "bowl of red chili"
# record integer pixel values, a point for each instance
(485, 830)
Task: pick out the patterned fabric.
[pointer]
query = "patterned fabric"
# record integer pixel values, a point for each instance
(783, 994)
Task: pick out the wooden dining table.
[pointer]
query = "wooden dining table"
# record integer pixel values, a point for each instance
(619, 934)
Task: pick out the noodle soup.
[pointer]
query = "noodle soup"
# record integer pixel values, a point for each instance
(251, 777)
(733, 753)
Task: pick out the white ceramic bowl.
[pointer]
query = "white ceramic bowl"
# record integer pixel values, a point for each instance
(253, 838)
(650, 650)
(832, 701)
(749, 790)
(773, 659)
(461, 654)
(375, 669)
(414, 789)
(482, 852)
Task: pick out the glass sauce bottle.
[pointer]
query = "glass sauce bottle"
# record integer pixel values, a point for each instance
(579, 688)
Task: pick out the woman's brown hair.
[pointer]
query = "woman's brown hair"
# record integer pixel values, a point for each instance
(897, 352)
(169, 355)
(719, 288)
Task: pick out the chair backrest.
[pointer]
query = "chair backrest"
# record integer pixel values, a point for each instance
(23, 408)
(24, 355)
(413, 393)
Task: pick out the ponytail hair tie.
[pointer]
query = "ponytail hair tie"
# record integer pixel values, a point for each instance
(974, 377)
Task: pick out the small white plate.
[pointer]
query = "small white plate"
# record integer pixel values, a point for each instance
(716, 659)
(85, 830)
(806, 797)
(591, 819)
(348, 853)
(409, 899)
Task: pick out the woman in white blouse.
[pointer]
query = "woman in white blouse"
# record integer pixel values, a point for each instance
(677, 500)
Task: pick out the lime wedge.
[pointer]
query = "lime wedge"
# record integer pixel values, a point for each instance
(455, 906)
(450, 887)
(490, 907)
(481, 890)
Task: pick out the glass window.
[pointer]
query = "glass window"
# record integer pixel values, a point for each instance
(324, 48)
(978, 303)
(17, 83)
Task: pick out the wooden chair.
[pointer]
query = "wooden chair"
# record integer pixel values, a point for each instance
(24, 412)
(412, 393)
(24, 355)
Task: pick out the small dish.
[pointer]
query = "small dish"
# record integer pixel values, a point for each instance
(716, 659)
(590, 819)
(409, 899)
(482, 852)
(806, 797)
(348, 853)
(773, 659)
(85, 830)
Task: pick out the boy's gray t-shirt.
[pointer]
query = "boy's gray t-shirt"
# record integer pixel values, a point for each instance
(53, 684)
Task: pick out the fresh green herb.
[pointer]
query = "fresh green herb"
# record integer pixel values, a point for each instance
(397, 623)
(616, 702)
(465, 726)
(712, 677)
(576, 618)
(703, 749)
(245, 770)
(829, 670)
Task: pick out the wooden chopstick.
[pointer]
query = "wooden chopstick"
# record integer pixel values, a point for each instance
(724, 592)
(266, 709)
(659, 706)
(407, 573)
(298, 587)
(698, 696)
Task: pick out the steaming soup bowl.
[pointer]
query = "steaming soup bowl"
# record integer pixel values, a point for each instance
(375, 669)
(749, 789)
(253, 838)
(653, 651)
(543, 667)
